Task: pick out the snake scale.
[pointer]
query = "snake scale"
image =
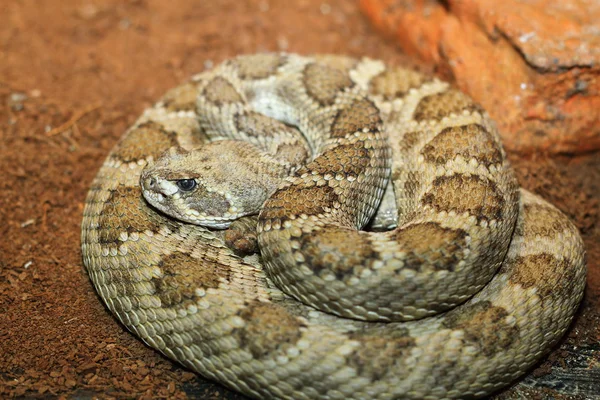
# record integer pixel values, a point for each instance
(461, 282)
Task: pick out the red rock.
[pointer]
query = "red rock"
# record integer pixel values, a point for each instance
(534, 65)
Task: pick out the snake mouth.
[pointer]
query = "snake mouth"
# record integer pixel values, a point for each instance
(154, 198)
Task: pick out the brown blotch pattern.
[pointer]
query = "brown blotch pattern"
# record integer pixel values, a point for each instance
(258, 66)
(410, 139)
(377, 356)
(182, 275)
(269, 330)
(558, 278)
(125, 284)
(440, 105)
(203, 200)
(362, 114)
(468, 141)
(296, 200)
(258, 125)
(348, 160)
(411, 183)
(448, 194)
(294, 154)
(429, 245)
(220, 91)
(125, 210)
(343, 63)
(484, 326)
(323, 83)
(337, 250)
(543, 221)
(181, 98)
(148, 139)
(396, 82)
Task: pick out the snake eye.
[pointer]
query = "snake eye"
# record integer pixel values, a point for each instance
(186, 185)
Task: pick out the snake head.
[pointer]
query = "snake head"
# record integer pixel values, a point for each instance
(205, 186)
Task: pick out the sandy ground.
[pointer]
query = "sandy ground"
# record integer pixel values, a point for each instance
(73, 75)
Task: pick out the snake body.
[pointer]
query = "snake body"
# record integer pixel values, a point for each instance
(476, 281)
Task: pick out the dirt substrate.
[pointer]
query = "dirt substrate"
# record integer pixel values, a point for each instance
(73, 75)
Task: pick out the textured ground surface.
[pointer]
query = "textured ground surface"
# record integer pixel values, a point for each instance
(533, 63)
(73, 75)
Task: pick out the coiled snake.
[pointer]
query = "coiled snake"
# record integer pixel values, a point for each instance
(475, 283)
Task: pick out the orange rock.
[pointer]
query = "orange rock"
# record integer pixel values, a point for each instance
(534, 65)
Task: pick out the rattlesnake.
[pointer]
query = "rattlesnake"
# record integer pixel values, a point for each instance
(449, 332)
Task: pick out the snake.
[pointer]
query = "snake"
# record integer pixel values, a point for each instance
(329, 227)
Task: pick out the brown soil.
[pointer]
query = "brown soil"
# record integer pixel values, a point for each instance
(73, 75)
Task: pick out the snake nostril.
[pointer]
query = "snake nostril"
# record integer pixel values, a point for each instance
(150, 183)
